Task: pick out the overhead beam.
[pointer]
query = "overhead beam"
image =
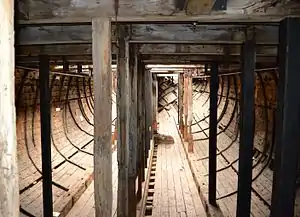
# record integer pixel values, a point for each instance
(151, 59)
(213, 18)
(196, 58)
(9, 185)
(168, 49)
(82, 34)
(144, 42)
(103, 117)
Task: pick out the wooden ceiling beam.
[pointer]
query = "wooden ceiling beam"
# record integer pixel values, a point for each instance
(213, 18)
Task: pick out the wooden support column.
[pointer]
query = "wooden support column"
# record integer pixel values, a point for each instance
(148, 111)
(155, 103)
(9, 186)
(123, 110)
(180, 101)
(190, 113)
(246, 128)
(185, 108)
(142, 70)
(102, 116)
(214, 83)
(132, 133)
(287, 121)
(140, 147)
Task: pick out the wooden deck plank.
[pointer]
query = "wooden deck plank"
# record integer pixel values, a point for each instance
(85, 206)
(178, 187)
(226, 179)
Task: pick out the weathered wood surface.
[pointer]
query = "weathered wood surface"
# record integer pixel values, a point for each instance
(140, 142)
(83, 33)
(180, 101)
(190, 114)
(148, 109)
(155, 102)
(175, 193)
(66, 174)
(226, 178)
(103, 116)
(185, 106)
(124, 113)
(35, 9)
(133, 131)
(85, 206)
(9, 189)
(159, 54)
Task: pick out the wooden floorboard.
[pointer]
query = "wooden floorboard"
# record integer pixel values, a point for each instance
(175, 193)
(228, 165)
(85, 206)
(66, 174)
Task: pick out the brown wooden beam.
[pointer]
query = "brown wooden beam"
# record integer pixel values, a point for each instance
(132, 170)
(185, 107)
(212, 19)
(123, 115)
(180, 101)
(140, 148)
(103, 117)
(190, 112)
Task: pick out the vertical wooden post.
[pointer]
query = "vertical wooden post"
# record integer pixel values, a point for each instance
(45, 98)
(143, 120)
(9, 187)
(132, 133)
(123, 110)
(148, 112)
(155, 103)
(185, 109)
(180, 101)
(103, 117)
(140, 148)
(190, 113)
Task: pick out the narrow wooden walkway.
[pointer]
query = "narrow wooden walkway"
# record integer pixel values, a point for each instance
(175, 193)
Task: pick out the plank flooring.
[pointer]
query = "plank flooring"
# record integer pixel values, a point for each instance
(227, 160)
(175, 193)
(72, 157)
(85, 206)
(227, 165)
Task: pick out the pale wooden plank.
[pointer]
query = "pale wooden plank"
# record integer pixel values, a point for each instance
(176, 186)
(9, 195)
(85, 206)
(103, 116)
